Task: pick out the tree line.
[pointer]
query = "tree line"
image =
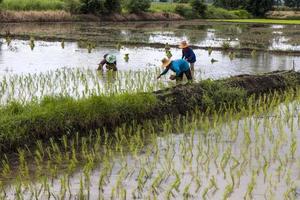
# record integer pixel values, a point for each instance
(256, 7)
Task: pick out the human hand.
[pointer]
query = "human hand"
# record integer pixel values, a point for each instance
(172, 77)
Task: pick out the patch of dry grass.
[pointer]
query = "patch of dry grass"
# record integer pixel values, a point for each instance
(35, 16)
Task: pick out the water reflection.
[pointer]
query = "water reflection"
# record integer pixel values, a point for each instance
(201, 33)
(18, 58)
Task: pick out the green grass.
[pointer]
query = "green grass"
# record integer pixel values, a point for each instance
(221, 13)
(165, 7)
(262, 21)
(211, 13)
(26, 5)
(56, 116)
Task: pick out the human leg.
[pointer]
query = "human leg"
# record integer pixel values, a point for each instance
(179, 77)
(192, 66)
(188, 75)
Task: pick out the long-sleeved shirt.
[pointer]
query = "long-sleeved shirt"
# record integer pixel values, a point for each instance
(189, 55)
(177, 66)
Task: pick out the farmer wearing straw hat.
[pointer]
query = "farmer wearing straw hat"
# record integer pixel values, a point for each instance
(180, 67)
(188, 54)
(110, 61)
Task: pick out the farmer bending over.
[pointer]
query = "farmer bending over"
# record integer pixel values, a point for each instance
(110, 61)
(188, 54)
(180, 67)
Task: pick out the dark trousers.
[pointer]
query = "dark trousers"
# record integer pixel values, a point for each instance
(188, 75)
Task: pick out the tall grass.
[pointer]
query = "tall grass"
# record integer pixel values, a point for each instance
(32, 5)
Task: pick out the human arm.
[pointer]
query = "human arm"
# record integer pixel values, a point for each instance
(101, 64)
(163, 73)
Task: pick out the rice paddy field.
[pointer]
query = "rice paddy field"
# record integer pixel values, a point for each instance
(247, 151)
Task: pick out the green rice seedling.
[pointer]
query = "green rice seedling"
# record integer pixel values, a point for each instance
(8, 40)
(31, 43)
(62, 44)
(119, 46)
(157, 182)
(226, 45)
(253, 53)
(186, 191)
(293, 147)
(228, 191)
(6, 169)
(126, 57)
(231, 55)
(251, 186)
(90, 46)
(210, 50)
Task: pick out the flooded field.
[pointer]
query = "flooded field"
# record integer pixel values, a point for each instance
(51, 56)
(198, 33)
(250, 152)
(225, 156)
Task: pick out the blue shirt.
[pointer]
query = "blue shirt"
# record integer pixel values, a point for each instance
(177, 66)
(189, 55)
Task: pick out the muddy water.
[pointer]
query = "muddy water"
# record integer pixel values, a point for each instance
(18, 58)
(199, 33)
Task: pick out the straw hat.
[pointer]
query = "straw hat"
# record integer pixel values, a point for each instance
(183, 45)
(165, 62)
(111, 58)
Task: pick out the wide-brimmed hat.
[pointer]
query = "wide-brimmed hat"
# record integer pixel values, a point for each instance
(183, 45)
(165, 62)
(111, 58)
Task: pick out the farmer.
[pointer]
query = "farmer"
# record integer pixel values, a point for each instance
(110, 62)
(180, 67)
(188, 54)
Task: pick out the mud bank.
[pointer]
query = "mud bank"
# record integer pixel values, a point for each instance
(55, 117)
(62, 16)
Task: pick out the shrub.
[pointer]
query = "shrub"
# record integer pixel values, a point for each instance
(136, 6)
(219, 13)
(241, 14)
(73, 6)
(185, 11)
(199, 7)
(113, 5)
(92, 7)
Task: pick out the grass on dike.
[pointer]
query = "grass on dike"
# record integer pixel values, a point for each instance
(26, 5)
(261, 21)
(165, 7)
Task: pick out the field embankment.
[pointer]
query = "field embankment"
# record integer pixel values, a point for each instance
(261, 21)
(57, 116)
(63, 16)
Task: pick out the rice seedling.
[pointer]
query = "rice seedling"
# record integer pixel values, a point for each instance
(62, 44)
(126, 57)
(210, 50)
(31, 43)
(193, 156)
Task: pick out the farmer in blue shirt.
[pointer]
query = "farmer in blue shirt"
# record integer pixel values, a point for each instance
(180, 67)
(188, 54)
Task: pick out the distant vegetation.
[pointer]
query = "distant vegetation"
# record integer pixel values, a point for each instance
(209, 12)
(262, 21)
(32, 4)
(191, 9)
(78, 6)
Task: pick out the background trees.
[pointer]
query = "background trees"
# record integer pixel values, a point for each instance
(255, 7)
(136, 6)
(292, 3)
